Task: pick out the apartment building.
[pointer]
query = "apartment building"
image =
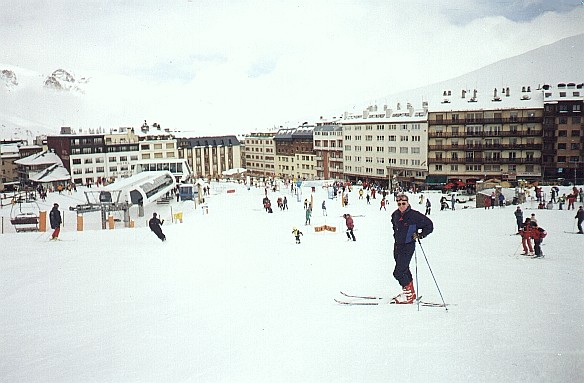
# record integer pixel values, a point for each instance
(260, 151)
(563, 132)
(295, 157)
(328, 149)
(210, 156)
(96, 156)
(495, 134)
(380, 145)
(10, 151)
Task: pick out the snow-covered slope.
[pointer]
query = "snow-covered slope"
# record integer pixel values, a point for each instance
(560, 62)
(231, 298)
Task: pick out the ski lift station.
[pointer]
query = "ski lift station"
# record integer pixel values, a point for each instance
(138, 190)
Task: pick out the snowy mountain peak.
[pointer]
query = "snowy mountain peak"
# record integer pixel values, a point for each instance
(62, 80)
(8, 78)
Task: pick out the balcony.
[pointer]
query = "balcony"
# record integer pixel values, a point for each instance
(534, 146)
(473, 121)
(484, 160)
(532, 133)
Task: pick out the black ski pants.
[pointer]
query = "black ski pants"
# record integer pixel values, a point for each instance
(402, 253)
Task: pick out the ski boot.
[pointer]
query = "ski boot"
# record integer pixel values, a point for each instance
(407, 295)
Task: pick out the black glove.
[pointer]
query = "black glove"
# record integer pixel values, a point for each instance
(417, 236)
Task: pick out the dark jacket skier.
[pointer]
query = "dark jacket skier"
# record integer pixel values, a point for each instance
(154, 225)
(519, 218)
(408, 226)
(55, 221)
(580, 217)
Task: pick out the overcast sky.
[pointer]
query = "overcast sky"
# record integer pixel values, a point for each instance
(266, 62)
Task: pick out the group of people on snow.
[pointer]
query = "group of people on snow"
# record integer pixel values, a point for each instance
(530, 231)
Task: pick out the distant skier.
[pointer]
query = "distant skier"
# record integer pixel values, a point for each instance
(428, 206)
(154, 225)
(308, 215)
(324, 208)
(55, 221)
(538, 234)
(285, 203)
(580, 217)
(297, 233)
(519, 218)
(408, 226)
(525, 233)
(350, 226)
(382, 206)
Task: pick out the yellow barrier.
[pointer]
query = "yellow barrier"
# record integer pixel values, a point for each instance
(178, 216)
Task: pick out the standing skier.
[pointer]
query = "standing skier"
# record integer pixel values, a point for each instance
(308, 215)
(408, 226)
(154, 225)
(519, 219)
(324, 208)
(428, 206)
(350, 226)
(525, 233)
(55, 221)
(580, 217)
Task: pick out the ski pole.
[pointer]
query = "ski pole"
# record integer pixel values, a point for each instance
(431, 272)
(417, 289)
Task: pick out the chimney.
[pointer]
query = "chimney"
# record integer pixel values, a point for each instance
(507, 92)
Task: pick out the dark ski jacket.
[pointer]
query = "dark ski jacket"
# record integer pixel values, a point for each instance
(55, 218)
(519, 216)
(408, 223)
(154, 223)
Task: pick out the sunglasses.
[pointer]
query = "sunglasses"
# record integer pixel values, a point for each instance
(403, 203)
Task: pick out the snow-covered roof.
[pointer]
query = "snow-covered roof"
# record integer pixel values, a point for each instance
(43, 158)
(55, 172)
(524, 97)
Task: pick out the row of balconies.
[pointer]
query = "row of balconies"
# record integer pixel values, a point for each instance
(491, 120)
(505, 133)
(533, 160)
(533, 146)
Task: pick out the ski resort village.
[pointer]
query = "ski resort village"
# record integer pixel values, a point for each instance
(292, 192)
(229, 294)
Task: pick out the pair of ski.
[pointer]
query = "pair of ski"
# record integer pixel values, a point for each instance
(364, 300)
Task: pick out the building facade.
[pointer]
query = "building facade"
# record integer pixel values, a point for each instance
(295, 157)
(260, 151)
(209, 157)
(380, 145)
(328, 150)
(474, 135)
(563, 133)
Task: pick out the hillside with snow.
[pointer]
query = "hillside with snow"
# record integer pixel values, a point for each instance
(40, 103)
